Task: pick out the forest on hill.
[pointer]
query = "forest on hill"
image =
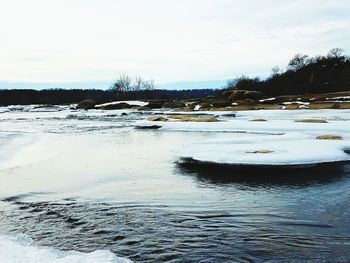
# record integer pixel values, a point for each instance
(303, 75)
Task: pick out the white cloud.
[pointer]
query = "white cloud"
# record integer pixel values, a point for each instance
(168, 40)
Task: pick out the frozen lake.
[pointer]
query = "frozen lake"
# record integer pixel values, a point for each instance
(89, 181)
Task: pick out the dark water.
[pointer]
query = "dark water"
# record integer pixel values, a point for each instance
(150, 209)
(279, 221)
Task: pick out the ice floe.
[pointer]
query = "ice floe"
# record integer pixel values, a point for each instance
(19, 249)
(283, 150)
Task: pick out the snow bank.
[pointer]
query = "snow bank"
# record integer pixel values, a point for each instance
(19, 249)
(289, 149)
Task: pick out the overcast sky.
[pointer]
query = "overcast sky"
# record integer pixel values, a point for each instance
(167, 40)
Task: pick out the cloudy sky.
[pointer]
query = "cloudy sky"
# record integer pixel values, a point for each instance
(91, 41)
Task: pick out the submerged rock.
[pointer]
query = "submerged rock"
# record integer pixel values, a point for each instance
(311, 121)
(148, 127)
(329, 137)
(258, 120)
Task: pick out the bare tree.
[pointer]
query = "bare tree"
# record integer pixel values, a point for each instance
(122, 84)
(335, 53)
(125, 83)
(275, 71)
(148, 84)
(297, 62)
(138, 83)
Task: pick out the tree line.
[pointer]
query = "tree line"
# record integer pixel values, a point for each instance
(64, 96)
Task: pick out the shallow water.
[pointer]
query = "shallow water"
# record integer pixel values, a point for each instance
(86, 181)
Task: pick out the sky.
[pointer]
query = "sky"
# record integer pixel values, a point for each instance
(178, 43)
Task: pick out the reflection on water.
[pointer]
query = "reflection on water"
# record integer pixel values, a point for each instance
(265, 176)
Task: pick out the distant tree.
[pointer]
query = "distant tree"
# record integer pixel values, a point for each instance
(125, 83)
(275, 71)
(122, 84)
(336, 53)
(243, 83)
(297, 62)
(148, 85)
(138, 82)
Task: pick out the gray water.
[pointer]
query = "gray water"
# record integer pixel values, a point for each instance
(92, 182)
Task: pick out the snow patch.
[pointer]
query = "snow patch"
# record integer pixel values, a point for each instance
(197, 107)
(19, 249)
(269, 99)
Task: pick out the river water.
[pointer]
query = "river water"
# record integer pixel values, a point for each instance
(86, 181)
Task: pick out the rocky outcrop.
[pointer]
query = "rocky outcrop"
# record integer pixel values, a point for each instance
(86, 104)
(157, 118)
(117, 106)
(243, 95)
(173, 105)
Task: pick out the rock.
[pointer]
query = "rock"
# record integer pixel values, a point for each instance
(329, 137)
(311, 121)
(148, 127)
(261, 152)
(336, 105)
(155, 104)
(210, 97)
(86, 104)
(117, 106)
(227, 94)
(124, 114)
(157, 118)
(245, 94)
(192, 118)
(144, 108)
(258, 120)
(292, 106)
(205, 105)
(173, 105)
(221, 103)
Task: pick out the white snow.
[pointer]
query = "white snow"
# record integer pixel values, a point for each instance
(338, 98)
(296, 102)
(269, 99)
(130, 102)
(292, 143)
(288, 149)
(19, 249)
(197, 107)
